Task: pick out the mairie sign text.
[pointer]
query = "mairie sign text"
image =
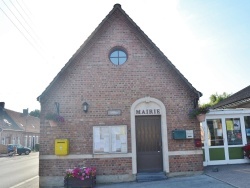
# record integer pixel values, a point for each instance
(148, 112)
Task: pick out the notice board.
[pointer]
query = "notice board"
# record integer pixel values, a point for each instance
(110, 139)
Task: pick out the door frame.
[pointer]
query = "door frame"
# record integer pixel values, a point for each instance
(150, 103)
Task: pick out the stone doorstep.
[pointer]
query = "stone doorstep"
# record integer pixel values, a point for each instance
(145, 177)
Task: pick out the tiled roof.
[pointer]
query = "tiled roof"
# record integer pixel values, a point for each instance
(7, 122)
(26, 123)
(117, 9)
(241, 97)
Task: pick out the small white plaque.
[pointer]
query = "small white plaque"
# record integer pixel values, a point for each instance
(189, 134)
(114, 112)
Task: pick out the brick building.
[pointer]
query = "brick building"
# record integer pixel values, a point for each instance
(121, 98)
(18, 128)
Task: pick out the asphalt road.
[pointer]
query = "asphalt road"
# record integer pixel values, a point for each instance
(17, 169)
(22, 172)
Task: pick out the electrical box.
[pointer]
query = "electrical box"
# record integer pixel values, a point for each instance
(179, 134)
(189, 134)
(61, 147)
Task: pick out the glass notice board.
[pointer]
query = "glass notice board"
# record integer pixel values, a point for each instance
(234, 135)
(110, 139)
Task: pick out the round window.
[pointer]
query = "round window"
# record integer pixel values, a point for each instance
(118, 57)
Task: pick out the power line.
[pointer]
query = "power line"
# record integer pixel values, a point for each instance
(30, 34)
(22, 24)
(23, 7)
(22, 33)
(24, 11)
(26, 7)
(25, 21)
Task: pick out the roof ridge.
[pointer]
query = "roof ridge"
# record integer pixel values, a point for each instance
(238, 96)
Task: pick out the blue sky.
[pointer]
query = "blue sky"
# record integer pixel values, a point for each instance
(207, 40)
(223, 28)
(226, 57)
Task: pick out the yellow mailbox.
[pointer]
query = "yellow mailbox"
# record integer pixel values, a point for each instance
(61, 146)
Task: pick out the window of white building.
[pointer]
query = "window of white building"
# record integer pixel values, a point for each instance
(3, 141)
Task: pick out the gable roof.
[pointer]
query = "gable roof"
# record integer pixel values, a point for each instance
(15, 121)
(117, 8)
(27, 123)
(7, 123)
(239, 98)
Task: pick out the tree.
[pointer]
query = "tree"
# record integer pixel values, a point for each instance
(35, 113)
(216, 98)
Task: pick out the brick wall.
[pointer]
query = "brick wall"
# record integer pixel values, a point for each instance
(91, 77)
(187, 163)
(103, 166)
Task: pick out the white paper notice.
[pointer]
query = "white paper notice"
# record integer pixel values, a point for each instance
(123, 139)
(97, 134)
(97, 146)
(124, 148)
(106, 146)
(118, 144)
(113, 141)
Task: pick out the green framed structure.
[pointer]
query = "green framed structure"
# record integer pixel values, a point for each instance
(223, 133)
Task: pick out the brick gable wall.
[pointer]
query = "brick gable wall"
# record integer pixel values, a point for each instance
(93, 78)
